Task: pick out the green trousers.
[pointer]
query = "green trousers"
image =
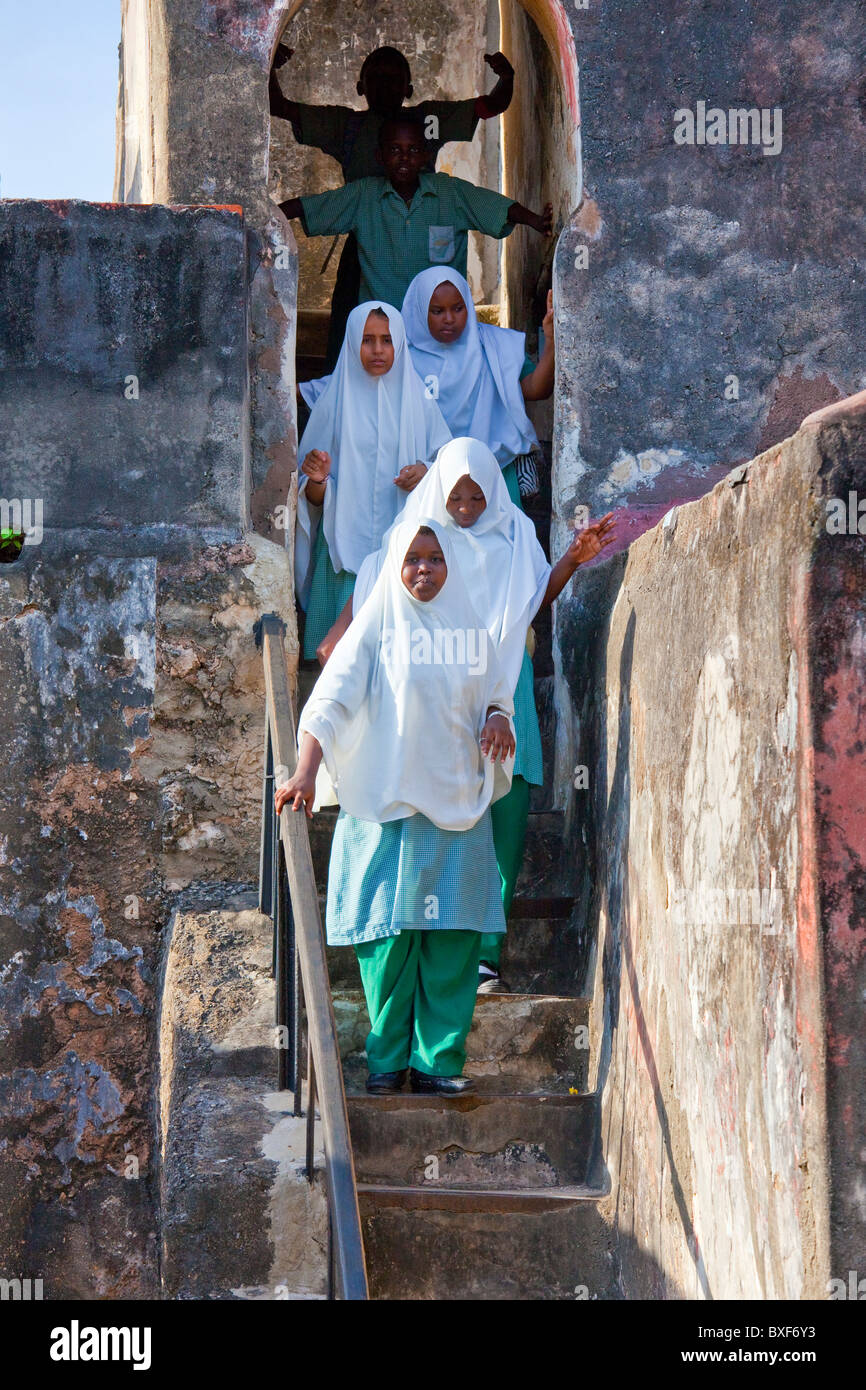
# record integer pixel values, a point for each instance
(420, 988)
(510, 816)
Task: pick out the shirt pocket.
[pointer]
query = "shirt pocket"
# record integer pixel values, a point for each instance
(440, 245)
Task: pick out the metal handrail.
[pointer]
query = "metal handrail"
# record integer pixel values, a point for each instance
(287, 892)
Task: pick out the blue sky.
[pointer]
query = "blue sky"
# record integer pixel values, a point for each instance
(58, 94)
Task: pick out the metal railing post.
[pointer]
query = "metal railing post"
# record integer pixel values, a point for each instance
(300, 964)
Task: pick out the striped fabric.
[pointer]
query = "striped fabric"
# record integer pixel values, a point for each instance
(410, 875)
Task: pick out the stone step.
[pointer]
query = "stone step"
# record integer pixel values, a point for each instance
(238, 1217)
(485, 1246)
(524, 1043)
(546, 871)
(518, 1043)
(502, 1142)
(464, 1200)
(542, 955)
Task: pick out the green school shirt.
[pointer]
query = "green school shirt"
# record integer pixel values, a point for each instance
(351, 137)
(396, 242)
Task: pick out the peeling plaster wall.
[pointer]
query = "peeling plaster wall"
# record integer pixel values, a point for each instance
(131, 693)
(727, 757)
(705, 262)
(193, 128)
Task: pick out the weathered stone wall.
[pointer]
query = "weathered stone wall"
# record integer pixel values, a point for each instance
(445, 42)
(193, 128)
(131, 695)
(727, 762)
(705, 263)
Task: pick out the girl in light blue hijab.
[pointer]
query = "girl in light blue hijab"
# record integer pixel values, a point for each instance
(478, 374)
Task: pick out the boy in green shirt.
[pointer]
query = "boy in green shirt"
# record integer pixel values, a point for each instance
(409, 218)
(351, 137)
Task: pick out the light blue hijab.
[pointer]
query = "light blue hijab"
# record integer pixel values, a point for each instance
(477, 377)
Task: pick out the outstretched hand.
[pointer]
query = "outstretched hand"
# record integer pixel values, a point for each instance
(497, 740)
(591, 541)
(544, 223)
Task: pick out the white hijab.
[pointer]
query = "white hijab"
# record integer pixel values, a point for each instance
(478, 375)
(399, 716)
(371, 427)
(503, 566)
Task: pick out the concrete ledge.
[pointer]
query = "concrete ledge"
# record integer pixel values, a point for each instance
(123, 376)
(238, 1217)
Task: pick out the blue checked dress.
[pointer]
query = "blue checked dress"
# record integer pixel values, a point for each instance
(528, 761)
(329, 591)
(408, 875)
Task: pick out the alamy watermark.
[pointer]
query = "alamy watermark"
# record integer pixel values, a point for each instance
(854, 1289)
(408, 646)
(738, 125)
(22, 516)
(846, 518)
(20, 1290)
(707, 906)
(77, 1343)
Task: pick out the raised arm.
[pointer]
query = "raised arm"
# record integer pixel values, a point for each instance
(324, 214)
(280, 105)
(540, 221)
(499, 100)
(588, 543)
(538, 385)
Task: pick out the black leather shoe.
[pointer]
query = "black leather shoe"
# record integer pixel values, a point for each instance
(386, 1083)
(424, 1085)
(490, 981)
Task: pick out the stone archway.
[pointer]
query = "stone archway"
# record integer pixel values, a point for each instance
(538, 39)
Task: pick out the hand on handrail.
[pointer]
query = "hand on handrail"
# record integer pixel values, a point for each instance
(300, 790)
(301, 786)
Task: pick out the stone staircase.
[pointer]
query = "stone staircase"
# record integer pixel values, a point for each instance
(492, 1195)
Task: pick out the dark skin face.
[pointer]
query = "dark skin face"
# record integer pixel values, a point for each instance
(402, 154)
(424, 570)
(465, 502)
(446, 314)
(385, 85)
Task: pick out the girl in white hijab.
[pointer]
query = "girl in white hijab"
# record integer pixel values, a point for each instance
(410, 717)
(480, 373)
(509, 578)
(365, 447)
